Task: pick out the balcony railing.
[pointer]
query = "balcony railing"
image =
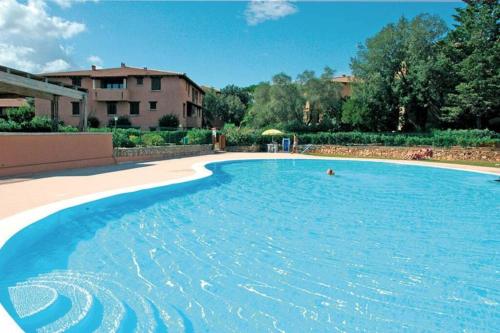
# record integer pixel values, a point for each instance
(111, 95)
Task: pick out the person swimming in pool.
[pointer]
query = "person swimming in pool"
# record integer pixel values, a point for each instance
(330, 172)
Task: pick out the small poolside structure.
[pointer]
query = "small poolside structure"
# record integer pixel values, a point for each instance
(15, 83)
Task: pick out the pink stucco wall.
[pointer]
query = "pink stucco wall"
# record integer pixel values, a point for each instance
(26, 153)
(171, 99)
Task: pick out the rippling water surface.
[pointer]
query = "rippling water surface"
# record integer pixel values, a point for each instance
(268, 246)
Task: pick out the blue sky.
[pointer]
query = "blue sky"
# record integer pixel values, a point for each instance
(215, 43)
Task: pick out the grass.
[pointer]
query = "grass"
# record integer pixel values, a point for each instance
(473, 163)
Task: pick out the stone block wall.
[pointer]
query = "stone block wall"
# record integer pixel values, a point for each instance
(160, 153)
(486, 154)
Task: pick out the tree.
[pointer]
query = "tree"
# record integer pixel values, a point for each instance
(323, 97)
(399, 77)
(228, 105)
(472, 49)
(276, 103)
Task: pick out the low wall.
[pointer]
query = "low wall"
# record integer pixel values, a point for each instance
(27, 153)
(243, 149)
(160, 153)
(443, 154)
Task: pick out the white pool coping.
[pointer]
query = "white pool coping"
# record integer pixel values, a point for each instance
(15, 223)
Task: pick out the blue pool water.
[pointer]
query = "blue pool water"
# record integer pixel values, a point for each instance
(268, 246)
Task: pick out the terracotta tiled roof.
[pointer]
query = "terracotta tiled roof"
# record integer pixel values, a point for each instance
(12, 102)
(344, 79)
(112, 72)
(120, 72)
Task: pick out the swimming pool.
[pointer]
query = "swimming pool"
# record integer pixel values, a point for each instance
(268, 245)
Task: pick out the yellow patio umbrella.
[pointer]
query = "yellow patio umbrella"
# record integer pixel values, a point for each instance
(272, 132)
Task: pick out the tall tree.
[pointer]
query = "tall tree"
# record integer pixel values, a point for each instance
(472, 50)
(228, 105)
(323, 96)
(276, 103)
(398, 77)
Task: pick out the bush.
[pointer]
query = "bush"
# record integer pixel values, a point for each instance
(93, 122)
(153, 139)
(20, 115)
(121, 139)
(136, 140)
(173, 137)
(168, 120)
(38, 124)
(9, 126)
(67, 128)
(198, 136)
(465, 138)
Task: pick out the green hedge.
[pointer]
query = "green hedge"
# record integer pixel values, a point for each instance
(448, 138)
(136, 138)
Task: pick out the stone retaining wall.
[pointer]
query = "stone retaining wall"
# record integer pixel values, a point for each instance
(160, 153)
(243, 149)
(443, 154)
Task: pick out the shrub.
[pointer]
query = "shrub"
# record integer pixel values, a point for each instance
(121, 139)
(9, 126)
(38, 124)
(153, 139)
(466, 138)
(20, 115)
(168, 120)
(174, 137)
(93, 122)
(199, 136)
(136, 140)
(67, 128)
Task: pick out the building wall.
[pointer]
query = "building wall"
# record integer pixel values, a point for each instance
(173, 98)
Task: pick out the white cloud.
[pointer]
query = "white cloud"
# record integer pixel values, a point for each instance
(69, 3)
(33, 40)
(57, 65)
(95, 60)
(259, 11)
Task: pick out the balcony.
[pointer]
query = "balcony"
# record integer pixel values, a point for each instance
(111, 95)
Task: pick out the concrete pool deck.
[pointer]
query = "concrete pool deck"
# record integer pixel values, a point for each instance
(24, 193)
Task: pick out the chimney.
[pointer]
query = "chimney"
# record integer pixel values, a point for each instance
(123, 65)
(93, 67)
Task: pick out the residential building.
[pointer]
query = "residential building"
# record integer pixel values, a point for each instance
(141, 94)
(346, 81)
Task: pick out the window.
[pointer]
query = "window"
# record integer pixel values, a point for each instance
(191, 110)
(152, 105)
(134, 108)
(75, 108)
(111, 108)
(139, 80)
(184, 110)
(76, 81)
(156, 83)
(112, 83)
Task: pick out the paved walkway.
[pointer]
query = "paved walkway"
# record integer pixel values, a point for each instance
(20, 194)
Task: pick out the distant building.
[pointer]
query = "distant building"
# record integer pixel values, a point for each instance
(346, 81)
(11, 103)
(141, 94)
